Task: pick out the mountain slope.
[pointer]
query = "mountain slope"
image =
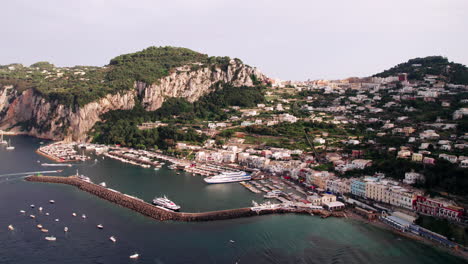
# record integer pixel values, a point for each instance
(65, 103)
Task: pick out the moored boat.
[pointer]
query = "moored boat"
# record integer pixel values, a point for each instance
(227, 177)
(166, 203)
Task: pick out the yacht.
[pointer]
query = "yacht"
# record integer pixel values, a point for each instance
(164, 202)
(226, 177)
(10, 147)
(50, 238)
(2, 141)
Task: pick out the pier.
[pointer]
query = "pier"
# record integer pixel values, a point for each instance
(154, 212)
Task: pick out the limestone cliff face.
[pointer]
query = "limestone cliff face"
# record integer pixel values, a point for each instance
(194, 84)
(50, 120)
(30, 113)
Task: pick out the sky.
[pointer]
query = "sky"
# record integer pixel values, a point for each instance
(290, 40)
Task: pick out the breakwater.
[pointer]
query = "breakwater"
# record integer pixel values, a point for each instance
(154, 212)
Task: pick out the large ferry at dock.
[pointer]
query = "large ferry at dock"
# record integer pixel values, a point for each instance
(226, 177)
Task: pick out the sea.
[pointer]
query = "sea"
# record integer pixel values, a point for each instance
(264, 239)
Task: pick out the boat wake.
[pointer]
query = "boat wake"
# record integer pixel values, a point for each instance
(28, 173)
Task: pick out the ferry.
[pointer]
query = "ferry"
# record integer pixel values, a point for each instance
(226, 177)
(164, 202)
(56, 165)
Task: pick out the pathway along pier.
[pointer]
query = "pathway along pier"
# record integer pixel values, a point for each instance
(154, 212)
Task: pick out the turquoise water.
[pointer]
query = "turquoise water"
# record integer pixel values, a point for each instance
(265, 239)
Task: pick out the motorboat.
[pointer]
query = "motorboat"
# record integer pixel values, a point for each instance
(113, 239)
(134, 256)
(10, 227)
(100, 226)
(65, 229)
(50, 238)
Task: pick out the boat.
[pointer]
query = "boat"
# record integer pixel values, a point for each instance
(56, 220)
(164, 202)
(40, 208)
(74, 214)
(51, 201)
(82, 177)
(65, 229)
(9, 146)
(232, 241)
(83, 216)
(32, 205)
(56, 165)
(103, 184)
(32, 216)
(227, 177)
(113, 239)
(2, 141)
(22, 211)
(46, 213)
(39, 226)
(134, 256)
(11, 227)
(100, 226)
(43, 230)
(50, 238)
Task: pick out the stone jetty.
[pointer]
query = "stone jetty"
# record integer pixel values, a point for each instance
(154, 212)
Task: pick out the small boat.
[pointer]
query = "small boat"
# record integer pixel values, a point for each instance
(65, 229)
(83, 216)
(32, 205)
(38, 161)
(50, 238)
(134, 256)
(103, 184)
(56, 220)
(100, 226)
(43, 230)
(10, 147)
(22, 211)
(40, 208)
(39, 226)
(32, 216)
(46, 213)
(51, 201)
(113, 239)
(232, 241)
(11, 227)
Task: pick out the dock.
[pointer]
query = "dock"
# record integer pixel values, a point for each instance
(156, 213)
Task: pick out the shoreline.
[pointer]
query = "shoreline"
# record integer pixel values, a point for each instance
(53, 158)
(378, 224)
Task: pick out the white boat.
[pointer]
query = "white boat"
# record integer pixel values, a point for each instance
(226, 177)
(46, 213)
(39, 226)
(74, 214)
(10, 147)
(113, 239)
(40, 208)
(22, 211)
(56, 165)
(83, 216)
(56, 220)
(134, 256)
(43, 230)
(2, 141)
(103, 184)
(232, 241)
(32, 205)
(65, 229)
(100, 226)
(50, 238)
(51, 201)
(11, 227)
(164, 202)
(32, 216)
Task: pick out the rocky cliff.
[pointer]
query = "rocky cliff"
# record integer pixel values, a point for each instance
(29, 112)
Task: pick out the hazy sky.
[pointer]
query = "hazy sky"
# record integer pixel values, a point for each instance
(287, 39)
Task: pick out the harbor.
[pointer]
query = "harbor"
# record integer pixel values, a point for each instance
(157, 213)
(61, 152)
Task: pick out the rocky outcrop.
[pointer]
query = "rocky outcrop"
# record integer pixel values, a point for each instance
(29, 112)
(194, 84)
(51, 120)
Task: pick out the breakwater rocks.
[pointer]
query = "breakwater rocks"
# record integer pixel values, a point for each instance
(154, 212)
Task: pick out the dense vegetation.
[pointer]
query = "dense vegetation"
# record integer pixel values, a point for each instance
(120, 126)
(442, 226)
(433, 65)
(79, 85)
